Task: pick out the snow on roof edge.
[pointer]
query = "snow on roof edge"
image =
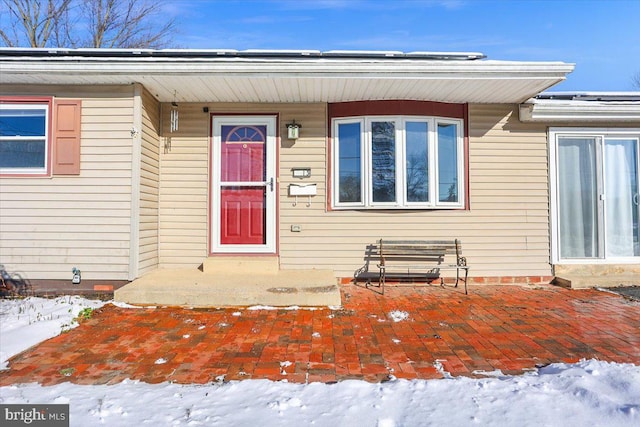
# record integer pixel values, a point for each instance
(41, 52)
(587, 96)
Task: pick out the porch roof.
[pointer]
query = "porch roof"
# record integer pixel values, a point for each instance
(609, 107)
(287, 76)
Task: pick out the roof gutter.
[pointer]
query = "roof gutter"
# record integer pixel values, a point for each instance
(613, 107)
(320, 67)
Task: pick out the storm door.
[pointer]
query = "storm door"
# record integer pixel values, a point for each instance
(243, 184)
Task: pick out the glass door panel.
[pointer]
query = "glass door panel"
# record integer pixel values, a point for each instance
(578, 197)
(242, 185)
(621, 197)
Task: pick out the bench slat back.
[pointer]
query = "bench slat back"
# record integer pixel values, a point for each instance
(416, 250)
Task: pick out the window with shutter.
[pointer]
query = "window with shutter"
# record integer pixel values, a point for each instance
(39, 136)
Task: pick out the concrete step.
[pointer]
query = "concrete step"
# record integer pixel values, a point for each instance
(233, 264)
(578, 281)
(193, 288)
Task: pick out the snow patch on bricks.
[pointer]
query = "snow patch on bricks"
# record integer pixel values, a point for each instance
(398, 316)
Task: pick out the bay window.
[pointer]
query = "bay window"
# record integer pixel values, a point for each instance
(398, 162)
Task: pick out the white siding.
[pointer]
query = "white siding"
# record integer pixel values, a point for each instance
(504, 233)
(149, 184)
(50, 225)
(184, 188)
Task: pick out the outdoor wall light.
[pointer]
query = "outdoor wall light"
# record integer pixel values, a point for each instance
(293, 130)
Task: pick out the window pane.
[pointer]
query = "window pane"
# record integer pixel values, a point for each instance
(349, 164)
(17, 122)
(22, 154)
(383, 159)
(447, 162)
(417, 167)
(577, 197)
(621, 201)
(243, 153)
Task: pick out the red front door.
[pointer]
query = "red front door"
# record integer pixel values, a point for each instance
(243, 183)
(242, 207)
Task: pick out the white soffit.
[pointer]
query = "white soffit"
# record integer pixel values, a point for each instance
(582, 107)
(288, 76)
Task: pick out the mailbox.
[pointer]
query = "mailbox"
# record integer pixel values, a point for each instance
(303, 189)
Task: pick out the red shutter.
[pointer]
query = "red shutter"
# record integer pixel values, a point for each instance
(66, 136)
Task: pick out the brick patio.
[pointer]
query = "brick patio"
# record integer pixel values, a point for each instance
(510, 328)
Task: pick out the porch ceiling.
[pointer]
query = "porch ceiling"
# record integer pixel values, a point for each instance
(216, 76)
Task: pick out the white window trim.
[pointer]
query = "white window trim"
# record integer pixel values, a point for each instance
(368, 171)
(336, 165)
(39, 171)
(400, 162)
(460, 163)
(553, 134)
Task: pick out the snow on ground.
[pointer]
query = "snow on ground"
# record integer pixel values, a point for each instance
(588, 393)
(26, 322)
(398, 316)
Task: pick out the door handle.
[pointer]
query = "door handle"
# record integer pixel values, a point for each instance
(270, 183)
(635, 199)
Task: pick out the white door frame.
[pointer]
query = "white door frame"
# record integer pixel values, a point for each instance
(602, 134)
(271, 184)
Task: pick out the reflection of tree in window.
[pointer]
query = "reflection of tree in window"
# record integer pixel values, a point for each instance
(383, 161)
(447, 163)
(417, 167)
(399, 162)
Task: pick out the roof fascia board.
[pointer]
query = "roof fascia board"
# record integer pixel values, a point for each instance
(449, 70)
(579, 111)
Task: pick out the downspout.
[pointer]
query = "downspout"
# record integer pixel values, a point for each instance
(136, 159)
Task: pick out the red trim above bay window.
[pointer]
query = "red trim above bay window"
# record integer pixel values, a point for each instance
(396, 107)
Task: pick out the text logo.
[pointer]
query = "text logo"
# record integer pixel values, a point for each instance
(34, 415)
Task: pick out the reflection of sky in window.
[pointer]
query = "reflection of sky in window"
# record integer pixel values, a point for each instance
(416, 138)
(22, 122)
(350, 179)
(16, 125)
(447, 162)
(349, 135)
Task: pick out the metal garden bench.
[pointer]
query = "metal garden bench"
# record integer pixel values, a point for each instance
(416, 260)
